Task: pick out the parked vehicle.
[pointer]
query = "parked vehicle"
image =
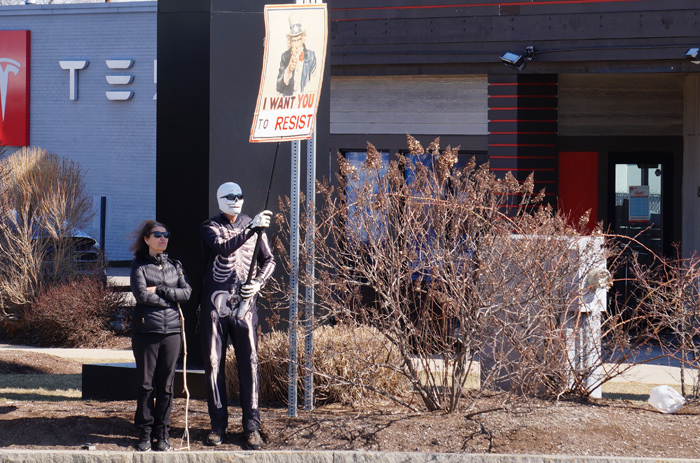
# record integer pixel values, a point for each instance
(84, 252)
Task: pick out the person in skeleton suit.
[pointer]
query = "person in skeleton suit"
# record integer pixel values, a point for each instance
(229, 309)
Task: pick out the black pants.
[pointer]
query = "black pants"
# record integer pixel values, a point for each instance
(214, 336)
(156, 357)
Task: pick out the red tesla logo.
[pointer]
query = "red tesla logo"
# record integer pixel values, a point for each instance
(14, 88)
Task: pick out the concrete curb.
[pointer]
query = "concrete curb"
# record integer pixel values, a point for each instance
(70, 456)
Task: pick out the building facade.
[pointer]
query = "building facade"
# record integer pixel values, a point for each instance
(605, 110)
(76, 50)
(601, 102)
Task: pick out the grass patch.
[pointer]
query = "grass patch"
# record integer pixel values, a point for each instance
(637, 393)
(473, 381)
(41, 387)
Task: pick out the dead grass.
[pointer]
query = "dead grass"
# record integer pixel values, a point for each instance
(56, 379)
(40, 387)
(26, 375)
(51, 403)
(636, 393)
(52, 387)
(352, 365)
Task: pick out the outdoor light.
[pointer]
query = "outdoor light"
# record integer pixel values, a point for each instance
(692, 55)
(515, 61)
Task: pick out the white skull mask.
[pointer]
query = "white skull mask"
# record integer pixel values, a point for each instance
(230, 198)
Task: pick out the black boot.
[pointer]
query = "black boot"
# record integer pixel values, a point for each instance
(163, 444)
(144, 444)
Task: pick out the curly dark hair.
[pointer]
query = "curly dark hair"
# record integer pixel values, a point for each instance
(139, 246)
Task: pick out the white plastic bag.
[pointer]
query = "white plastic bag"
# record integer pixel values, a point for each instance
(665, 399)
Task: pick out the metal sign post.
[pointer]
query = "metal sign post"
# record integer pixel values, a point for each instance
(294, 278)
(310, 271)
(293, 281)
(295, 49)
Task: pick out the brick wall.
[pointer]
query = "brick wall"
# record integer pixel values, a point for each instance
(113, 141)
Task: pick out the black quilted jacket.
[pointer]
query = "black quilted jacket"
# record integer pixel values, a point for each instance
(156, 312)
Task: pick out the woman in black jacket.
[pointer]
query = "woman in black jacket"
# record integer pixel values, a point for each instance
(158, 284)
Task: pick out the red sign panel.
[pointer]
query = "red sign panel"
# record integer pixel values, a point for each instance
(14, 88)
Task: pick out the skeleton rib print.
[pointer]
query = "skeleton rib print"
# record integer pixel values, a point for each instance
(238, 262)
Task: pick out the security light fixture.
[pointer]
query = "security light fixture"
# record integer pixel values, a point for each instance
(515, 61)
(692, 55)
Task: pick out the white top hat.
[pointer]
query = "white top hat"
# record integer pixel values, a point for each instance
(295, 25)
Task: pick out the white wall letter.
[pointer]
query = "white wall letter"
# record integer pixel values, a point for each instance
(119, 79)
(73, 67)
(155, 77)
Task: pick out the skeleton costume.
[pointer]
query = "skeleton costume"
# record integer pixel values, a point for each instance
(228, 248)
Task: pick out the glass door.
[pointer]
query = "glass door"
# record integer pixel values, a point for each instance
(639, 205)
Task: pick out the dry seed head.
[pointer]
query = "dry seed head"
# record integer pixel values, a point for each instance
(374, 159)
(434, 147)
(346, 169)
(414, 146)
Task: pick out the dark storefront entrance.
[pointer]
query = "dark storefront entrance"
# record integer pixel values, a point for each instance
(640, 204)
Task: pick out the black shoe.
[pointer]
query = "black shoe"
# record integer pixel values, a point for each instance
(163, 445)
(144, 444)
(253, 441)
(215, 436)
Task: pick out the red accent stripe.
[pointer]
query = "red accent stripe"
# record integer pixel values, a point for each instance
(545, 145)
(530, 84)
(522, 157)
(522, 120)
(530, 3)
(522, 96)
(521, 107)
(522, 133)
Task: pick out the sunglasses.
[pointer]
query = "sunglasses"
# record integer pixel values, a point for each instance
(158, 234)
(232, 197)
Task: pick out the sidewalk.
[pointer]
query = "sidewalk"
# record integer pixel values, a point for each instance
(660, 370)
(83, 355)
(655, 374)
(649, 373)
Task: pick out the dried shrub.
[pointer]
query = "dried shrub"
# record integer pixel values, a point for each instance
(668, 294)
(541, 311)
(43, 203)
(73, 314)
(451, 264)
(352, 365)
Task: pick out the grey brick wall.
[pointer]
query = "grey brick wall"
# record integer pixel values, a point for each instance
(113, 141)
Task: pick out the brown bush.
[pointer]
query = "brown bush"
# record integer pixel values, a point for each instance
(351, 365)
(453, 262)
(73, 314)
(43, 203)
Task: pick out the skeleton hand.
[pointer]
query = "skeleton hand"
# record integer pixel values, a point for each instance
(248, 290)
(262, 220)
